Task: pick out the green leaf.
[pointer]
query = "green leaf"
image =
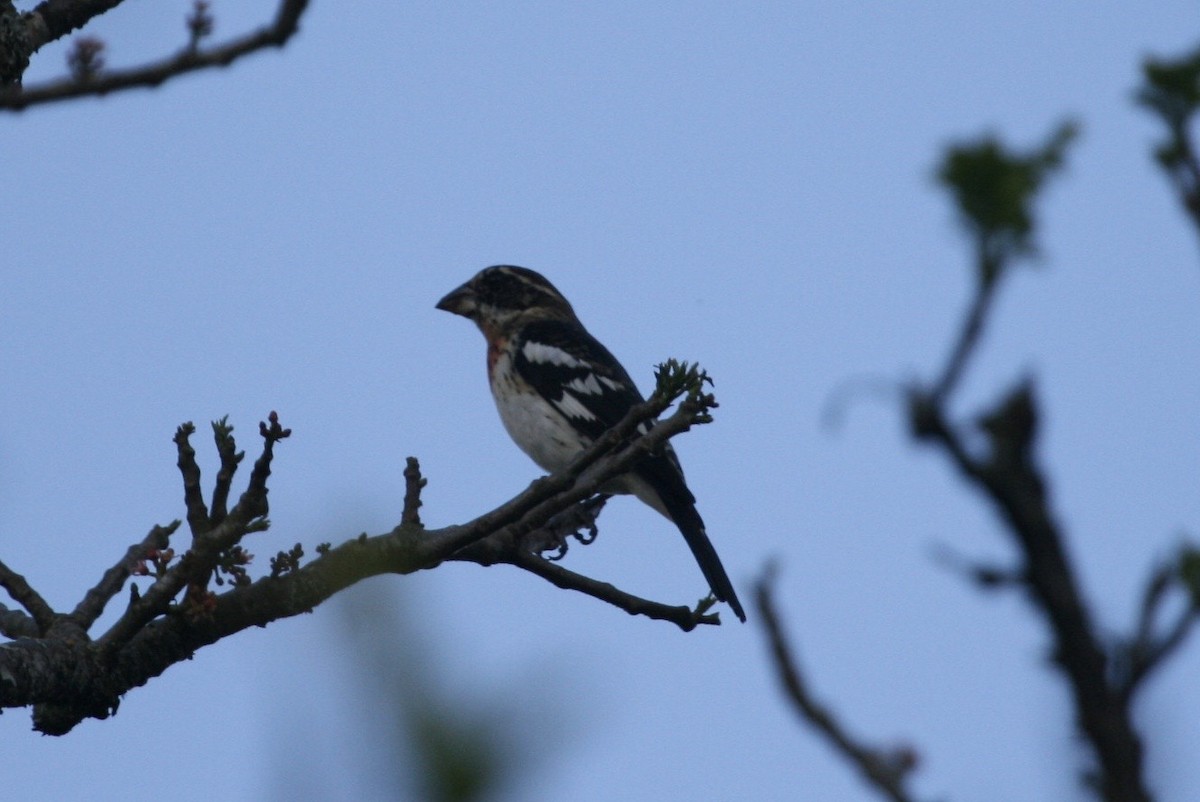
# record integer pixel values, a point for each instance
(994, 189)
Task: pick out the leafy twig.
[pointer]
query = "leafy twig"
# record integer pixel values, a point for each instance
(994, 190)
(1171, 91)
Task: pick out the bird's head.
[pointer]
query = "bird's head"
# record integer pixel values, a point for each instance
(497, 297)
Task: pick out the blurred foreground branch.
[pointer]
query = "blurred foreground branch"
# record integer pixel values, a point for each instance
(886, 771)
(995, 190)
(1171, 91)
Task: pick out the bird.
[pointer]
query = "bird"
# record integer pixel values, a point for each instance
(558, 389)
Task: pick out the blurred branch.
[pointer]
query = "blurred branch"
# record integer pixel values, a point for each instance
(56, 18)
(1014, 484)
(994, 190)
(886, 771)
(463, 742)
(964, 345)
(986, 576)
(1171, 91)
(1152, 644)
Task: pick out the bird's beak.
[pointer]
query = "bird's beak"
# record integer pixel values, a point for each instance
(459, 302)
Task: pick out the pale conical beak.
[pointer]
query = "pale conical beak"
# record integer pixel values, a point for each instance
(460, 301)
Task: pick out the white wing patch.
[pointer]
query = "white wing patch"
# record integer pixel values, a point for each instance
(570, 406)
(548, 354)
(586, 385)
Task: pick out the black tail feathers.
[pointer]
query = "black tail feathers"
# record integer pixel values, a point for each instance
(682, 507)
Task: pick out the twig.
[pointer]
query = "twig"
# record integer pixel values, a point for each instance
(683, 617)
(1149, 649)
(987, 576)
(198, 562)
(413, 484)
(23, 594)
(96, 599)
(502, 548)
(193, 495)
(277, 34)
(231, 458)
(16, 624)
(885, 771)
(969, 333)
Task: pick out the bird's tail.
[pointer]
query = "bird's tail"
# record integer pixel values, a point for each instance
(691, 525)
(678, 503)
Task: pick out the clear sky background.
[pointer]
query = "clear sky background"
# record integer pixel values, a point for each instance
(746, 185)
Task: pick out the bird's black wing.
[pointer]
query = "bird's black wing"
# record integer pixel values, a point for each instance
(576, 374)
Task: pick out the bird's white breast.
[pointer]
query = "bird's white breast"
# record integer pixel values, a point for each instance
(533, 424)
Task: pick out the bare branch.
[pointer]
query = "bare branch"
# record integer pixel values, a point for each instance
(54, 19)
(190, 59)
(197, 564)
(685, 618)
(67, 677)
(503, 548)
(886, 771)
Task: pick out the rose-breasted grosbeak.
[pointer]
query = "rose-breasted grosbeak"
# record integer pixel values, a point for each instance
(558, 389)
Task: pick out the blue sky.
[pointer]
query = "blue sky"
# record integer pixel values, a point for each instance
(745, 186)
